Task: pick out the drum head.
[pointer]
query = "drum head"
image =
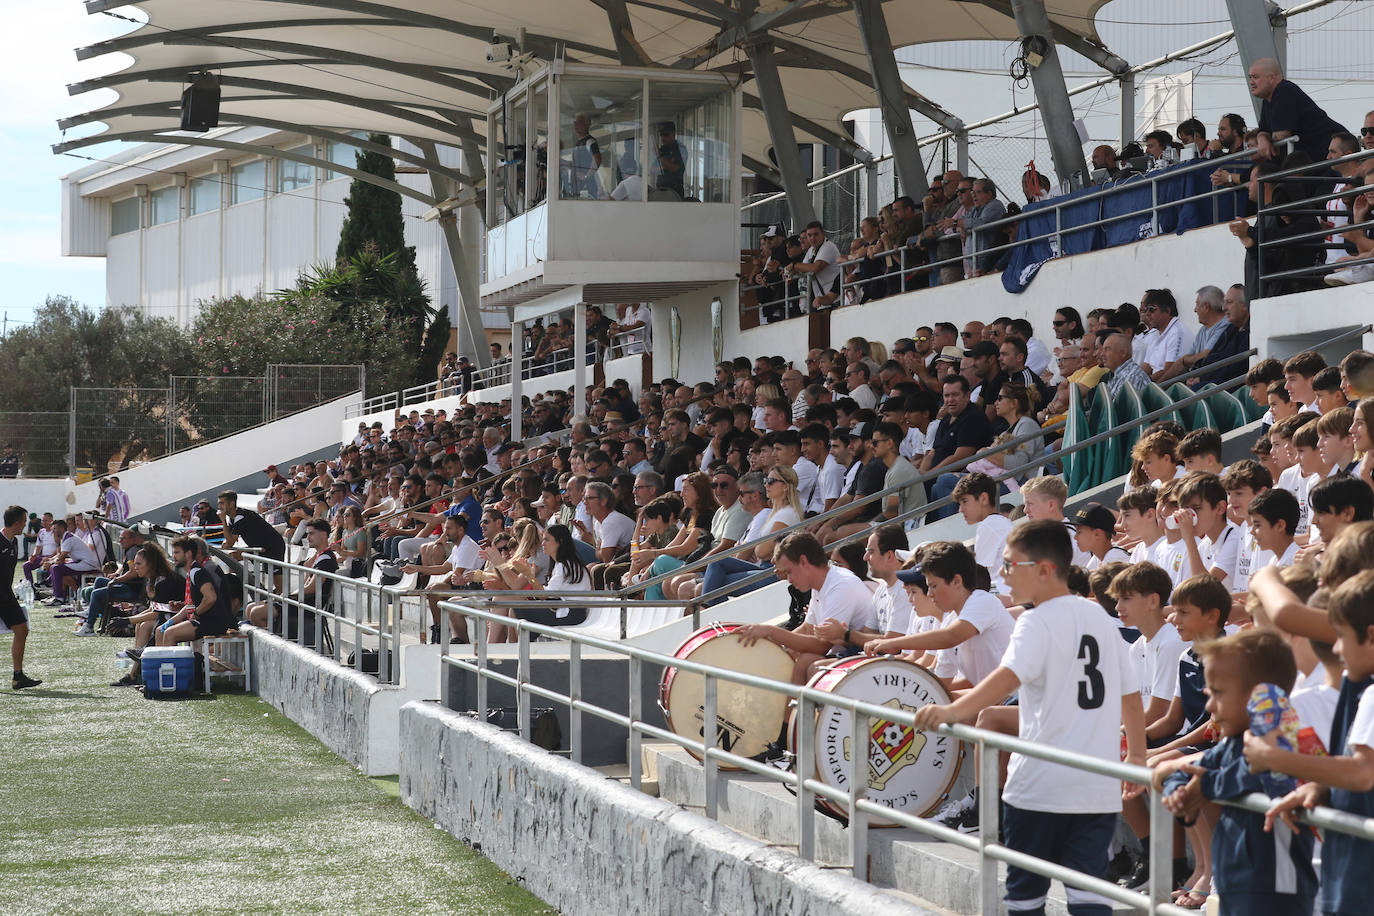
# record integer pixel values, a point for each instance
(908, 770)
(749, 718)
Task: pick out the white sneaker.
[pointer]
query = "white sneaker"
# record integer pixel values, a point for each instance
(951, 813)
(85, 630)
(1360, 273)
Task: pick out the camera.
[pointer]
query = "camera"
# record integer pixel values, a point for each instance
(499, 52)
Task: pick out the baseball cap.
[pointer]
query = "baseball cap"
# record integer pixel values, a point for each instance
(982, 348)
(771, 232)
(270, 469)
(914, 576)
(1095, 515)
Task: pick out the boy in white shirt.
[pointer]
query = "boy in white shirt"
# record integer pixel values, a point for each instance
(1273, 516)
(1173, 556)
(1142, 594)
(839, 599)
(976, 496)
(1072, 677)
(1140, 521)
(982, 625)
(1314, 467)
(1200, 450)
(1094, 528)
(1044, 498)
(1292, 478)
(891, 605)
(1243, 481)
(1210, 538)
(1335, 441)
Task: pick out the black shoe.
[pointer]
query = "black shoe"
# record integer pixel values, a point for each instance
(434, 634)
(126, 681)
(771, 753)
(135, 654)
(22, 680)
(1137, 877)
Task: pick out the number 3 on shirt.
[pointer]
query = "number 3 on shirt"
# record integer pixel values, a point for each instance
(1091, 689)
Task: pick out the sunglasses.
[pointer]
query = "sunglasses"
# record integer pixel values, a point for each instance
(773, 480)
(1366, 131)
(1058, 324)
(721, 485)
(919, 340)
(966, 334)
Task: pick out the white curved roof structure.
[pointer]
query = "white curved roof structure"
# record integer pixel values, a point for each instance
(418, 69)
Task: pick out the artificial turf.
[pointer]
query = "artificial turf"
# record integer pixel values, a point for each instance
(112, 803)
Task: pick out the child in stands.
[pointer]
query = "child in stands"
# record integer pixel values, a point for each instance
(976, 496)
(1141, 592)
(1345, 779)
(1155, 455)
(1141, 523)
(1273, 517)
(1072, 677)
(1200, 450)
(1281, 404)
(1243, 480)
(1292, 477)
(1336, 503)
(1335, 442)
(1044, 498)
(1173, 556)
(1254, 873)
(1209, 537)
(1094, 528)
(1298, 373)
(1326, 385)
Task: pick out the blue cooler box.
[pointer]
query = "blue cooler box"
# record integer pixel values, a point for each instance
(167, 670)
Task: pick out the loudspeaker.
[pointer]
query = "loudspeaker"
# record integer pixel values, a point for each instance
(200, 106)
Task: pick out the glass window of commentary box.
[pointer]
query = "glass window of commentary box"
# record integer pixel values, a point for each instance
(341, 154)
(164, 205)
(292, 175)
(248, 181)
(601, 139)
(691, 125)
(124, 216)
(204, 195)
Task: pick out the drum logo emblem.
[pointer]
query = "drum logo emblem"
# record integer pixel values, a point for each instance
(891, 747)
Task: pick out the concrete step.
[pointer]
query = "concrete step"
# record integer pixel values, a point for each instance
(937, 873)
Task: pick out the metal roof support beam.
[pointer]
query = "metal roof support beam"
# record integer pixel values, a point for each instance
(1050, 91)
(467, 317)
(1254, 25)
(917, 102)
(763, 170)
(887, 82)
(149, 136)
(780, 132)
(1097, 53)
(819, 131)
(631, 53)
(470, 219)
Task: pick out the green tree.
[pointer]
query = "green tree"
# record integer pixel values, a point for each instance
(374, 214)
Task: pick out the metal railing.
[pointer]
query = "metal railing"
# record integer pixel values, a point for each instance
(1313, 174)
(807, 789)
(373, 615)
(920, 272)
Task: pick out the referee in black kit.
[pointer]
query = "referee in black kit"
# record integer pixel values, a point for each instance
(10, 612)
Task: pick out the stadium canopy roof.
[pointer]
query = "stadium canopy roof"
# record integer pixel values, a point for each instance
(418, 68)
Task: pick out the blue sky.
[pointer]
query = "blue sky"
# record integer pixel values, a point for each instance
(34, 74)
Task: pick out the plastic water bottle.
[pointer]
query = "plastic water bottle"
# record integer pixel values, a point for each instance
(25, 595)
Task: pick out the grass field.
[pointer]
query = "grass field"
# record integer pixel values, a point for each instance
(111, 803)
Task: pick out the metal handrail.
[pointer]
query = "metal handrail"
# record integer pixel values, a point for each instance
(808, 700)
(1307, 239)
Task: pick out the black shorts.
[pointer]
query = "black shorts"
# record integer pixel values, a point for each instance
(11, 612)
(212, 625)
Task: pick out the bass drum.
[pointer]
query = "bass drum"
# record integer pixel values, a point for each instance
(748, 718)
(911, 771)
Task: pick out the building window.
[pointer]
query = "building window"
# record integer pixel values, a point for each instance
(204, 195)
(124, 216)
(163, 206)
(292, 176)
(248, 181)
(341, 154)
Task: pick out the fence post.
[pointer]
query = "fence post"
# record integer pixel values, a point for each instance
(522, 678)
(575, 697)
(858, 785)
(710, 732)
(636, 711)
(806, 800)
(988, 797)
(71, 434)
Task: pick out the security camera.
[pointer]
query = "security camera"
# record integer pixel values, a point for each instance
(500, 52)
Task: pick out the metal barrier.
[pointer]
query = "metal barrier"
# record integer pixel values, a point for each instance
(807, 789)
(1314, 174)
(40, 440)
(374, 614)
(919, 272)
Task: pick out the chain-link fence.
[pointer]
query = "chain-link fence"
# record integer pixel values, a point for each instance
(115, 426)
(293, 387)
(209, 408)
(37, 443)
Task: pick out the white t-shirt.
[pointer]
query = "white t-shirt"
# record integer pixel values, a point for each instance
(978, 656)
(1157, 661)
(1249, 559)
(80, 554)
(1113, 555)
(730, 524)
(1362, 726)
(1074, 669)
(843, 597)
(1146, 553)
(1221, 553)
(946, 660)
(1164, 347)
(989, 540)
(1290, 556)
(825, 277)
(1173, 559)
(829, 484)
(465, 555)
(892, 608)
(757, 525)
(914, 443)
(1316, 705)
(1038, 357)
(615, 530)
(640, 339)
(1293, 480)
(863, 396)
(808, 476)
(557, 582)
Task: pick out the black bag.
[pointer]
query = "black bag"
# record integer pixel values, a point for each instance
(372, 661)
(545, 731)
(118, 627)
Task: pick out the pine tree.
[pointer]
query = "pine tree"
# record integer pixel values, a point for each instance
(374, 214)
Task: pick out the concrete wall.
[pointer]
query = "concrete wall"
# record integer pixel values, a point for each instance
(39, 494)
(589, 845)
(1284, 325)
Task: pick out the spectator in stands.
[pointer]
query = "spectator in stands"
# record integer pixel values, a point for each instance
(1285, 111)
(784, 510)
(1209, 308)
(1164, 339)
(124, 586)
(943, 235)
(1122, 370)
(1160, 148)
(986, 208)
(1107, 166)
(567, 574)
(1068, 326)
(822, 263)
(1012, 356)
(204, 611)
(1077, 368)
(964, 429)
(1193, 137)
(159, 584)
(1359, 242)
(1230, 139)
(1234, 339)
(46, 547)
